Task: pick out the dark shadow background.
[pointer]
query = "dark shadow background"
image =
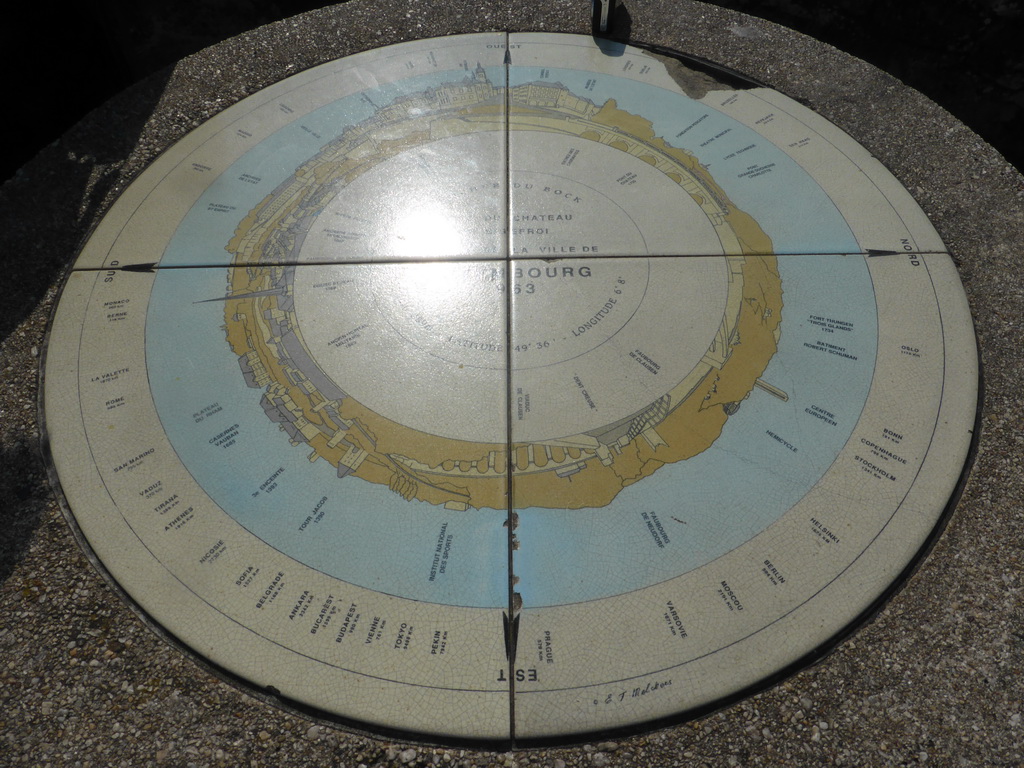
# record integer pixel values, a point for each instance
(967, 55)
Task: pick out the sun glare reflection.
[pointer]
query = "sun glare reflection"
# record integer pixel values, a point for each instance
(434, 290)
(426, 231)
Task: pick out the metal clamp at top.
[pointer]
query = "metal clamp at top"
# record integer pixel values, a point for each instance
(602, 15)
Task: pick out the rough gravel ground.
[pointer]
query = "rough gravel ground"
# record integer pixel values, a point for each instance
(934, 680)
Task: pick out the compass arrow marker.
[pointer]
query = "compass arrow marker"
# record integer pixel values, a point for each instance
(249, 295)
(511, 629)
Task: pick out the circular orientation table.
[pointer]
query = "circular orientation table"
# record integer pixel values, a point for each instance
(511, 386)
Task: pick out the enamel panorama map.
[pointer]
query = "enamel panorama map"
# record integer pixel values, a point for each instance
(510, 387)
